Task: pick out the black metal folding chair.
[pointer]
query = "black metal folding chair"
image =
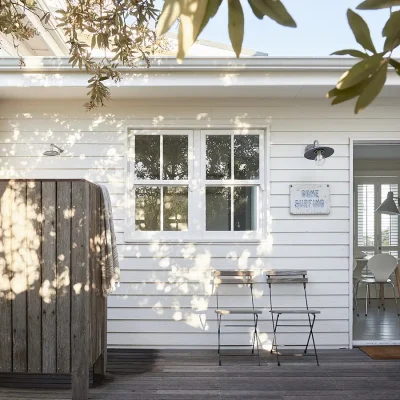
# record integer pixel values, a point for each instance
(291, 277)
(237, 277)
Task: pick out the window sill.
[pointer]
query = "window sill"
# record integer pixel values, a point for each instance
(254, 241)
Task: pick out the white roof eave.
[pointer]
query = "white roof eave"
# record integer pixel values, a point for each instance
(60, 64)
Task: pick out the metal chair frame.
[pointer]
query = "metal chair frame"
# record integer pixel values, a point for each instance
(242, 277)
(291, 277)
(371, 281)
(381, 267)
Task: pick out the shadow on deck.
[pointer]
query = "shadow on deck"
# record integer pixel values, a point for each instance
(195, 374)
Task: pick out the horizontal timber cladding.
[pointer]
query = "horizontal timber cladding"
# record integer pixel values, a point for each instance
(51, 303)
(165, 298)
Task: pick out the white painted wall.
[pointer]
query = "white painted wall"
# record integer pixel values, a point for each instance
(164, 298)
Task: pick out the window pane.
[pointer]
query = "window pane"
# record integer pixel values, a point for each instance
(246, 156)
(245, 207)
(175, 157)
(218, 209)
(365, 215)
(148, 201)
(175, 208)
(147, 156)
(218, 156)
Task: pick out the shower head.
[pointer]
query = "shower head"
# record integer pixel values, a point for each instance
(54, 150)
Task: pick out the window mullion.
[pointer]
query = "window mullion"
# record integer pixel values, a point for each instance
(232, 158)
(162, 209)
(232, 210)
(161, 157)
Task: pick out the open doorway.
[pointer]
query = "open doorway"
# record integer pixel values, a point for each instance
(376, 174)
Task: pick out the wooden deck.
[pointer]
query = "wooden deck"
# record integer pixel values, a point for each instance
(175, 375)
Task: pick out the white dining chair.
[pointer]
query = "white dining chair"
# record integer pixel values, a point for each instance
(381, 266)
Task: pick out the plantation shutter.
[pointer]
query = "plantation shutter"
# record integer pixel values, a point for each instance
(365, 205)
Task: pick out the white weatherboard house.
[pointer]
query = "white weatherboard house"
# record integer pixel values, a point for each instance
(199, 160)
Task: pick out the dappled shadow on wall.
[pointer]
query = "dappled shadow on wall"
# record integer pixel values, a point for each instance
(177, 284)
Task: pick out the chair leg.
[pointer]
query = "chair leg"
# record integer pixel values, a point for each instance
(313, 340)
(256, 338)
(219, 339)
(369, 297)
(377, 295)
(383, 296)
(274, 343)
(357, 286)
(366, 300)
(254, 334)
(395, 299)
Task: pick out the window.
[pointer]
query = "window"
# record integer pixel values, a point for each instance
(195, 185)
(232, 180)
(375, 233)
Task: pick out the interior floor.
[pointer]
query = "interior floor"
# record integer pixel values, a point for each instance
(379, 324)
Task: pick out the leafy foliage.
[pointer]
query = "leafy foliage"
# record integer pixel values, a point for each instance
(123, 29)
(120, 28)
(367, 78)
(364, 80)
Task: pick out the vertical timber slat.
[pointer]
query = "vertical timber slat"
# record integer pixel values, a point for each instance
(34, 232)
(48, 290)
(5, 260)
(80, 285)
(63, 277)
(19, 276)
(92, 262)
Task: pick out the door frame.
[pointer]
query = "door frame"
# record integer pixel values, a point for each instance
(355, 343)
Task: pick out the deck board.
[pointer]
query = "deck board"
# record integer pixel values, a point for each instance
(185, 374)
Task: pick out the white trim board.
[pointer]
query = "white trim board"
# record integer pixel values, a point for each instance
(353, 141)
(359, 343)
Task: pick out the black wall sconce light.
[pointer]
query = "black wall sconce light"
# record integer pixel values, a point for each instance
(318, 153)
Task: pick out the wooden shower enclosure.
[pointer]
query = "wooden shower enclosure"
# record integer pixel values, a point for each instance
(52, 308)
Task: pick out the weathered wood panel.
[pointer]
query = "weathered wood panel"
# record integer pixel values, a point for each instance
(80, 327)
(19, 276)
(47, 281)
(63, 276)
(5, 295)
(34, 232)
(48, 289)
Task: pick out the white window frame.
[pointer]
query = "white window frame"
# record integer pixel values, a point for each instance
(196, 188)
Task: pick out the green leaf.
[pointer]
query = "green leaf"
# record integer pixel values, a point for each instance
(256, 11)
(103, 78)
(396, 65)
(236, 25)
(392, 31)
(169, 14)
(93, 42)
(360, 30)
(275, 10)
(360, 71)
(350, 92)
(191, 18)
(377, 4)
(391, 43)
(350, 52)
(211, 11)
(392, 27)
(373, 88)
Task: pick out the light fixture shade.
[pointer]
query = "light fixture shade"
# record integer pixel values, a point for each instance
(312, 150)
(388, 206)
